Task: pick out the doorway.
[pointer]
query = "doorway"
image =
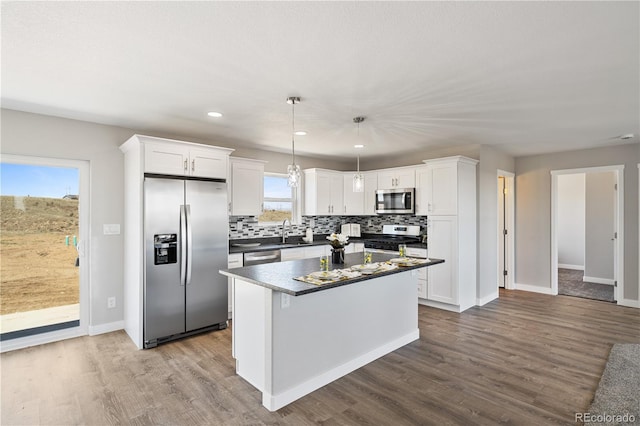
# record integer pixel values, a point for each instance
(43, 231)
(587, 233)
(506, 236)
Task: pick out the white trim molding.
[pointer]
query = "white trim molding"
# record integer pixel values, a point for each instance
(536, 289)
(484, 300)
(94, 330)
(569, 266)
(629, 303)
(596, 280)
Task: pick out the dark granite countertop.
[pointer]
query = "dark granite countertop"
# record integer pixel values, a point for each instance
(279, 276)
(273, 243)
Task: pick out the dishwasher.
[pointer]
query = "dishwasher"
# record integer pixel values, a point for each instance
(259, 257)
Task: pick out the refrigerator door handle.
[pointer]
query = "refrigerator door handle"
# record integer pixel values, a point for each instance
(189, 245)
(183, 245)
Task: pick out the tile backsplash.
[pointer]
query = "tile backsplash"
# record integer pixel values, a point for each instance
(247, 226)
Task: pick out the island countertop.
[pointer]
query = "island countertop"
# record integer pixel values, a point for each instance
(279, 276)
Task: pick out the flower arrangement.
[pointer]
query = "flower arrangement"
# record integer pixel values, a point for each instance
(338, 241)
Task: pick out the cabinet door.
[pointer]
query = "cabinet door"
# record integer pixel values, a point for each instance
(316, 251)
(406, 178)
(165, 158)
(208, 163)
(442, 237)
(353, 201)
(442, 191)
(291, 254)
(423, 182)
(337, 194)
(247, 188)
(386, 180)
(323, 194)
(370, 186)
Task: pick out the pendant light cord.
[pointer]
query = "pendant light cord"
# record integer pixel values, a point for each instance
(293, 129)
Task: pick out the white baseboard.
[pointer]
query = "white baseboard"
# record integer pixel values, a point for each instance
(106, 328)
(275, 402)
(629, 303)
(534, 289)
(597, 280)
(440, 305)
(484, 300)
(569, 266)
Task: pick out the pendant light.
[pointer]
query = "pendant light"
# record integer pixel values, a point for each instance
(358, 178)
(293, 170)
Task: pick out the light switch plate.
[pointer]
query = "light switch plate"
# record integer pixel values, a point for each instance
(111, 229)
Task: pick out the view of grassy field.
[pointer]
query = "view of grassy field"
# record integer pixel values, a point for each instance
(275, 215)
(37, 269)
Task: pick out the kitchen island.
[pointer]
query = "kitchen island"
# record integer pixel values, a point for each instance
(291, 337)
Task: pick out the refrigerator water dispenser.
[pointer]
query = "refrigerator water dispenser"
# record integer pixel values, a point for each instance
(165, 249)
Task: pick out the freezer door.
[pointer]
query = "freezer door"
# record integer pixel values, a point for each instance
(164, 298)
(206, 289)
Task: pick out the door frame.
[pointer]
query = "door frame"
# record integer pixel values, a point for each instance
(618, 267)
(509, 180)
(84, 245)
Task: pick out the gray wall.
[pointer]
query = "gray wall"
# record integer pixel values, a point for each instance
(599, 225)
(46, 136)
(533, 210)
(571, 220)
(491, 160)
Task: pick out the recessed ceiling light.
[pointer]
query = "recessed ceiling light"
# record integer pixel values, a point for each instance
(358, 146)
(214, 114)
(300, 133)
(627, 136)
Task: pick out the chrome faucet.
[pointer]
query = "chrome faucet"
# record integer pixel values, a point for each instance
(284, 230)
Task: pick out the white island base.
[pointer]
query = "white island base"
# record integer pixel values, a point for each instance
(288, 346)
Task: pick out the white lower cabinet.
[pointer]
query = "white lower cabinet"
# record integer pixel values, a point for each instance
(442, 234)
(354, 248)
(292, 254)
(451, 285)
(304, 252)
(234, 260)
(422, 272)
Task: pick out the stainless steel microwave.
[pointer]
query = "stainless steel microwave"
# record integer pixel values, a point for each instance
(395, 201)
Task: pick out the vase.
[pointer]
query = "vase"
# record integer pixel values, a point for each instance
(337, 255)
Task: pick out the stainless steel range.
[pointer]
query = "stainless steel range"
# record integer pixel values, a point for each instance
(392, 235)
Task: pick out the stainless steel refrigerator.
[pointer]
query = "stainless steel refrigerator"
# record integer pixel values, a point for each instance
(186, 244)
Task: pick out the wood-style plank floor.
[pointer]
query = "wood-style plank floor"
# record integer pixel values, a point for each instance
(523, 359)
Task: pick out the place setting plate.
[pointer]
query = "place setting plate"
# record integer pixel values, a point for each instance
(325, 275)
(406, 261)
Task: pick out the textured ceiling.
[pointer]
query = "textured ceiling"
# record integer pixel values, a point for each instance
(525, 77)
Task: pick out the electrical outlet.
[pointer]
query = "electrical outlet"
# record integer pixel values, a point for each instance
(312, 222)
(111, 302)
(285, 301)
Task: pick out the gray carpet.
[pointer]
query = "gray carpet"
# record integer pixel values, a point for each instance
(619, 390)
(570, 284)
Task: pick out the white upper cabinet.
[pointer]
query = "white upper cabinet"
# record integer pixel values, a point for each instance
(439, 185)
(402, 177)
(370, 186)
(323, 193)
(169, 157)
(360, 203)
(353, 201)
(247, 186)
